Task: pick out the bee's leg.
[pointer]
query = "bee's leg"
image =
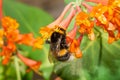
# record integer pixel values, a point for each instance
(47, 41)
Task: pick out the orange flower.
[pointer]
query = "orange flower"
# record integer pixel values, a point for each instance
(38, 43)
(26, 39)
(111, 37)
(107, 16)
(10, 36)
(55, 26)
(104, 2)
(34, 65)
(86, 26)
(46, 31)
(74, 47)
(82, 18)
(7, 52)
(98, 13)
(1, 38)
(9, 24)
(65, 23)
(71, 35)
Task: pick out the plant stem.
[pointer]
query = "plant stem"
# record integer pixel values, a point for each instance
(17, 68)
(101, 47)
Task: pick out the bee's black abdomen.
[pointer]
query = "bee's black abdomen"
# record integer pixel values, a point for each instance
(64, 57)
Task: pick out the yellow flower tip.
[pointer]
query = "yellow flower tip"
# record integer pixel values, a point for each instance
(1, 37)
(38, 43)
(74, 48)
(9, 24)
(91, 36)
(118, 36)
(102, 19)
(34, 65)
(46, 32)
(111, 27)
(78, 53)
(27, 39)
(5, 61)
(111, 40)
(82, 18)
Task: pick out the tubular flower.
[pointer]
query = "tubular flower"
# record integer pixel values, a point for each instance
(38, 43)
(26, 39)
(86, 26)
(55, 25)
(98, 12)
(74, 47)
(49, 29)
(34, 65)
(9, 37)
(71, 35)
(106, 15)
(1, 38)
(104, 2)
(9, 24)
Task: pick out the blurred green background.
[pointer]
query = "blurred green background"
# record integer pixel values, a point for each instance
(101, 61)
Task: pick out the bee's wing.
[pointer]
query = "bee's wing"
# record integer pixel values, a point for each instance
(51, 57)
(54, 50)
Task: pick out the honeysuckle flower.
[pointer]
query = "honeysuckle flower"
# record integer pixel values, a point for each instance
(38, 43)
(48, 30)
(1, 38)
(86, 26)
(26, 39)
(9, 24)
(89, 8)
(74, 47)
(65, 23)
(104, 2)
(71, 35)
(74, 44)
(7, 52)
(34, 65)
(60, 18)
(106, 15)
(54, 26)
(98, 13)
(10, 37)
(82, 18)
(78, 9)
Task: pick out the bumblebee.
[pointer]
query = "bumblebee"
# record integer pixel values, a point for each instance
(58, 46)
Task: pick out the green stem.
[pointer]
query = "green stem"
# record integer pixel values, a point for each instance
(17, 68)
(101, 47)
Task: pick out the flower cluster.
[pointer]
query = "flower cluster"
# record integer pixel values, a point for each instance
(10, 37)
(105, 14)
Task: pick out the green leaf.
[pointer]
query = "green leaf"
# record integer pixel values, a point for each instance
(30, 20)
